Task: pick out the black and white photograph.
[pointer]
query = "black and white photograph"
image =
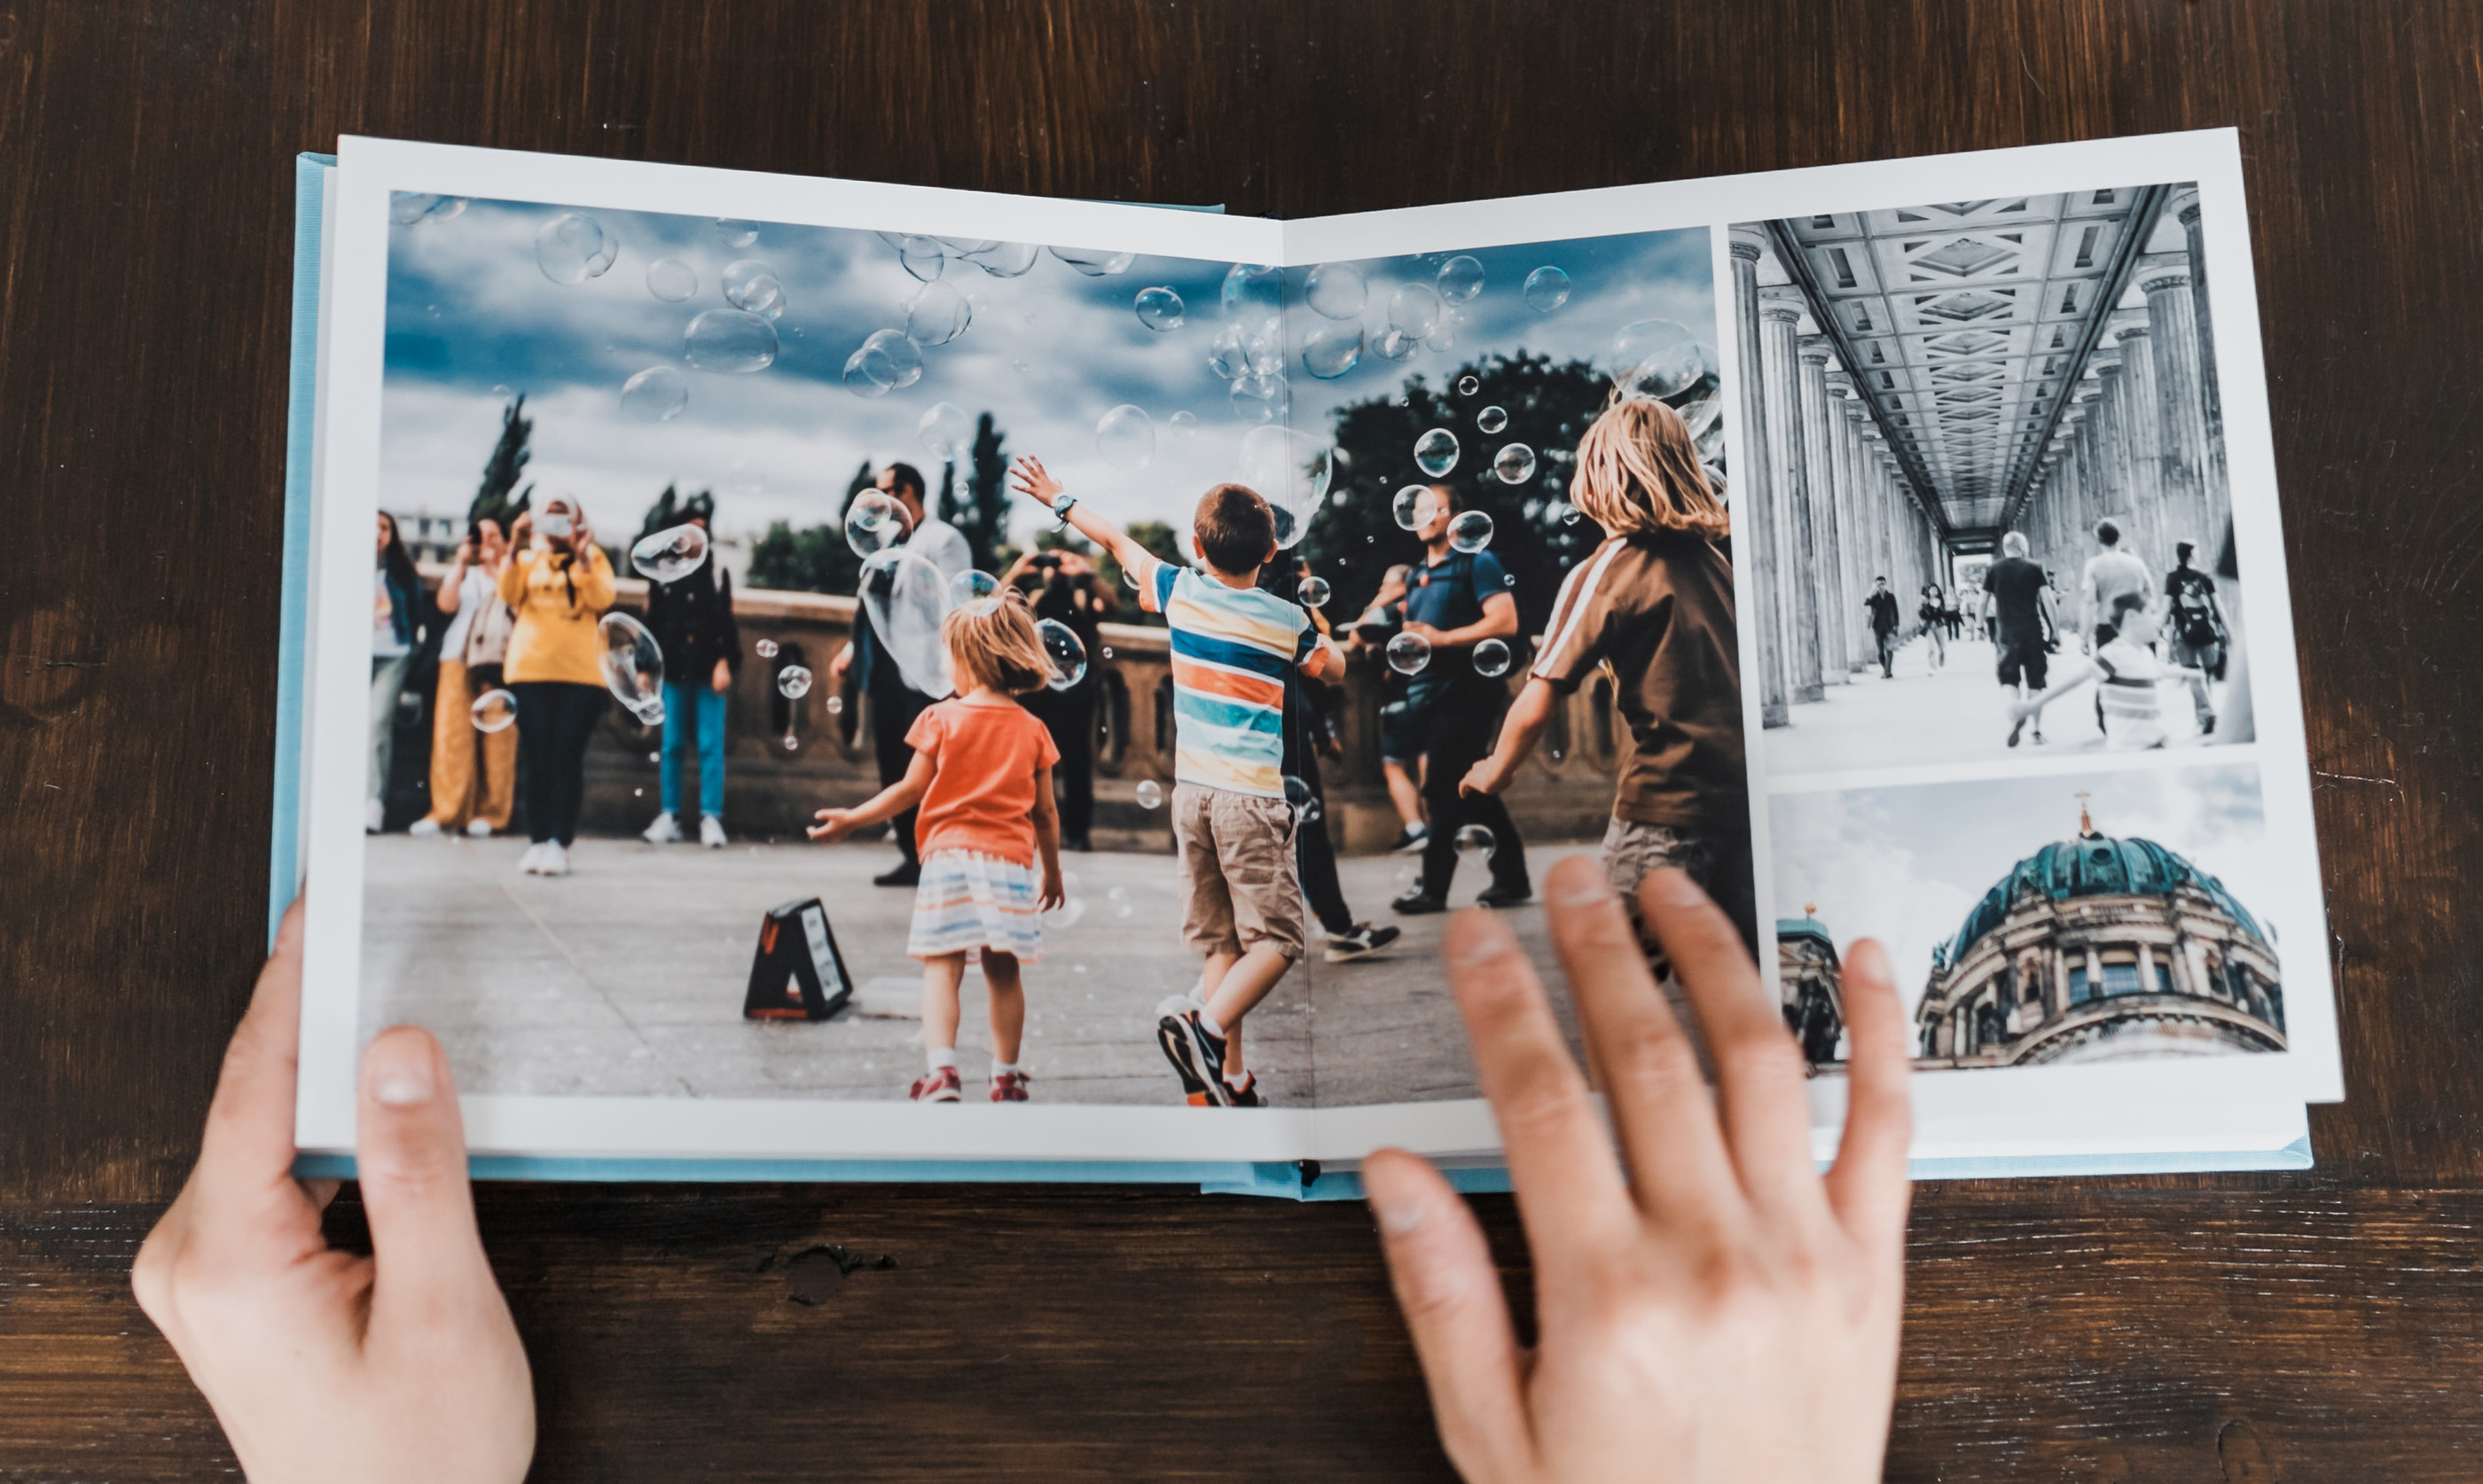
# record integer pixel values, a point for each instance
(1990, 517)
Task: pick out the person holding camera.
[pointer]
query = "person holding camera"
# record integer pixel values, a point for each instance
(559, 582)
(474, 773)
(1072, 593)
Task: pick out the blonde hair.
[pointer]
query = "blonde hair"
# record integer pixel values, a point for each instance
(1639, 472)
(992, 643)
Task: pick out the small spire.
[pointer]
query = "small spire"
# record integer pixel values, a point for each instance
(1809, 910)
(2086, 821)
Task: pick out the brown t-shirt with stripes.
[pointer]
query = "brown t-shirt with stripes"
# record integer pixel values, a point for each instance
(1659, 608)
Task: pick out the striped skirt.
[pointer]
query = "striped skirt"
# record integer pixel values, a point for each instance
(969, 902)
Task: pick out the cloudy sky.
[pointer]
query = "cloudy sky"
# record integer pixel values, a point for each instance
(1907, 864)
(471, 315)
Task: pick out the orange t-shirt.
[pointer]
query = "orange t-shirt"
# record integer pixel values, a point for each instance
(982, 788)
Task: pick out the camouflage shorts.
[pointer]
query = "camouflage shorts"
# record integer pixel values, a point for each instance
(1632, 850)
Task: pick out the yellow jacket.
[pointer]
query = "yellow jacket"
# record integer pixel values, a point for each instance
(554, 638)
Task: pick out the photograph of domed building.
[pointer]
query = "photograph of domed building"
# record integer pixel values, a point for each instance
(2111, 942)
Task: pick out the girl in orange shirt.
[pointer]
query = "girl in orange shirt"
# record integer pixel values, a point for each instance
(982, 775)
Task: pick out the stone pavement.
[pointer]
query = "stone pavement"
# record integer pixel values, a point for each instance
(626, 977)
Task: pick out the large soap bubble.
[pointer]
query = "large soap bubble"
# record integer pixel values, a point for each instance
(1068, 656)
(921, 257)
(945, 431)
(873, 523)
(905, 598)
(1125, 437)
(1183, 423)
(1395, 344)
(937, 313)
(1408, 654)
(1227, 355)
(1005, 259)
(1335, 291)
(753, 285)
(669, 555)
(573, 248)
(657, 394)
(1252, 295)
(633, 666)
(1260, 398)
(1436, 451)
(1314, 593)
(671, 279)
(1291, 469)
(972, 586)
(1491, 659)
(1415, 310)
(1150, 794)
(1547, 289)
(889, 360)
(857, 379)
(1160, 309)
(1460, 278)
(737, 233)
(1700, 413)
(1515, 463)
(1409, 507)
(730, 340)
(1332, 350)
(1661, 358)
(1267, 349)
(1492, 419)
(1470, 532)
(494, 710)
(1095, 262)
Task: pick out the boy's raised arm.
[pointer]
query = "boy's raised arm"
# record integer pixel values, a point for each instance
(1037, 484)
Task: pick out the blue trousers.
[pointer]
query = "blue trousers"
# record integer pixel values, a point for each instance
(694, 707)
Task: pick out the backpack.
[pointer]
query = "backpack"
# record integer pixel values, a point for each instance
(2193, 618)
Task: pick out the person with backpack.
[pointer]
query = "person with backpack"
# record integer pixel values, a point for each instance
(2196, 634)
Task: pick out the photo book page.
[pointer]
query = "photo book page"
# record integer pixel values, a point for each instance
(1895, 547)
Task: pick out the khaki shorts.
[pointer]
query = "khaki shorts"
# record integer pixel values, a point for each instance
(1237, 866)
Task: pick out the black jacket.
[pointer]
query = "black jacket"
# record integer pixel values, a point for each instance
(692, 621)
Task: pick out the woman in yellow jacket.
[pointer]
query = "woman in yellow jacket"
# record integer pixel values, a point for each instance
(559, 582)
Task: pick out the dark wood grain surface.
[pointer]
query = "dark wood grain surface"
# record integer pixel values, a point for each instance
(2314, 1327)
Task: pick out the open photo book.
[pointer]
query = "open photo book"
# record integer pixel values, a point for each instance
(1921, 577)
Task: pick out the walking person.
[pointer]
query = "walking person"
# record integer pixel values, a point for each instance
(1882, 606)
(1932, 614)
(1070, 594)
(2110, 574)
(474, 771)
(558, 583)
(1309, 732)
(396, 627)
(1455, 600)
(2196, 632)
(1401, 757)
(2020, 600)
(691, 617)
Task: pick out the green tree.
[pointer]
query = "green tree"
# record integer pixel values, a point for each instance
(500, 473)
(981, 514)
(816, 559)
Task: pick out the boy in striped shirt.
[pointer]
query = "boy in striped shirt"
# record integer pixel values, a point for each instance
(1232, 645)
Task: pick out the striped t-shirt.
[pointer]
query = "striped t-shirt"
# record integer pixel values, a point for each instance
(1231, 647)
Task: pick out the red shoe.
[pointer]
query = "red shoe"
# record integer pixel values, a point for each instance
(1009, 1086)
(941, 1086)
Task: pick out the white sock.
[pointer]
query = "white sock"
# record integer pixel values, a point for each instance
(943, 1057)
(1209, 1021)
(1001, 1068)
(1236, 1079)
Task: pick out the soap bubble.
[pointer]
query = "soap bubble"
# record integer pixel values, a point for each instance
(1150, 794)
(1411, 505)
(1095, 262)
(1715, 474)
(1064, 916)
(791, 742)
(1395, 344)
(1304, 803)
(1441, 341)
(1408, 654)
(753, 285)
(1467, 386)
(1314, 591)
(670, 555)
(835, 705)
(972, 586)
(1436, 451)
(1252, 295)
(889, 360)
(794, 682)
(730, 340)
(1125, 437)
(495, 710)
(764, 649)
(657, 394)
(1546, 290)
(1260, 398)
(1159, 309)
(1460, 278)
(1415, 310)
(1566, 512)
(873, 523)
(1700, 413)
(905, 597)
(919, 256)
(1005, 259)
(671, 279)
(1661, 358)
(412, 209)
(1470, 531)
(858, 380)
(945, 431)
(736, 234)
(1226, 355)
(1332, 350)
(573, 248)
(1291, 469)
(1267, 349)
(633, 666)
(1183, 423)
(1335, 291)
(937, 313)
(1515, 463)
(1068, 656)
(1476, 840)
(1492, 419)
(1491, 659)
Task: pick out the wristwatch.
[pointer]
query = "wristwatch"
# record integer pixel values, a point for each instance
(1061, 503)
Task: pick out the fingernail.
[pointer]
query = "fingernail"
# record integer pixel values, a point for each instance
(1675, 888)
(400, 1072)
(1396, 1216)
(1484, 947)
(1588, 891)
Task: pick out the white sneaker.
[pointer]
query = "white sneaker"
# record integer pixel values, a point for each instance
(531, 862)
(423, 828)
(479, 828)
(662, 831)
(711, 832)
(556, 861)
(374, 817)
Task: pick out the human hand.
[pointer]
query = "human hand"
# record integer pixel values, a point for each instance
(843, 662)
(1422, 632)
(1723, 1313)
(524, 529)
(834, 824)
(1031, 479)
(1485, 777)
(723, 679)
(1052, 894)
(321, 1364)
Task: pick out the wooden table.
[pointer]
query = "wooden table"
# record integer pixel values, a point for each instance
(2312, 1327)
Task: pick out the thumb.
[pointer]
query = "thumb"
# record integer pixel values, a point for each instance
(411, 1152)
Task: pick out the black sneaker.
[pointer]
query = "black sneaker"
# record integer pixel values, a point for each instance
(1505, 894)
(1415, 903)
(1246, 1094)
(1197, 1056)
(2208, 728)
(1411, 842)
(1360, 943)
(2015, 730)
(908, 873)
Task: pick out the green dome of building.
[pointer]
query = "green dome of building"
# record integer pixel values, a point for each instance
(2091, 864)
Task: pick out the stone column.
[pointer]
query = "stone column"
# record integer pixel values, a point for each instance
(1827, 535)
(2113, 454)
(2145, 439)
(1780, 310)
(1851, 517)
(2184, 207)
(1754, 523)
(2173, 325)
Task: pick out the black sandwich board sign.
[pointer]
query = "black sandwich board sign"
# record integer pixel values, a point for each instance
(797, 974)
